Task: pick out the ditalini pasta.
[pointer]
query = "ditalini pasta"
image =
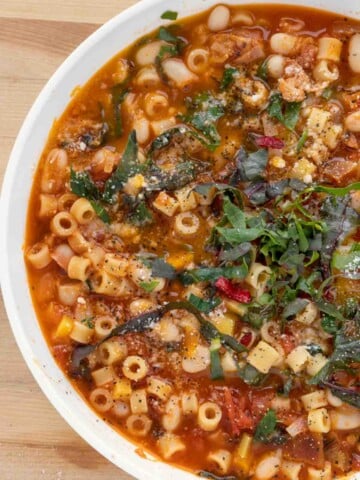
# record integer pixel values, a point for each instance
(193, 243)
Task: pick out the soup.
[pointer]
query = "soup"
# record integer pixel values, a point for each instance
(193, 243)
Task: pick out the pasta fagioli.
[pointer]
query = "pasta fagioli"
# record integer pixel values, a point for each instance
(192, 242)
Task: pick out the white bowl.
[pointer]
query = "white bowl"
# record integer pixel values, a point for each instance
(79, 67)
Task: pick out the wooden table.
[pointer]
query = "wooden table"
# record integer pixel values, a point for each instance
(35, 37)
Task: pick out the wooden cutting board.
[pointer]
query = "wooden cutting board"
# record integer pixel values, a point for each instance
(35, 37)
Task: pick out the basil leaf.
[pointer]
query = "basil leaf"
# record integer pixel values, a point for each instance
(141, 215)
(162, 269)
(286, 112)
(233, 254)
(291, 115)
(349, 263)
(251, 375)
(128, 167)
(165, 35)
(166, 51)
(295, 307)
(83, 186)
(100, 211)
(211, 274)
(223, 188)
(205, 306)
(169, 15)
(249, 166)
(348, 395)
(330, 324)
(266, 426)
(228, 77)
(181, 175)
(205, 111)
(333, 212)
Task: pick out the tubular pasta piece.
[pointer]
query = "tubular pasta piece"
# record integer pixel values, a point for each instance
(159, 388)
(222, 460)
(319, 421)
(81, 333)
(63, 224)
(170, 444)
(104, 375)
(79, 268)
(209, 416)
(189, 403)
(138, 401)
(48, 205)
(112, 351)
(138, 425)
(101, 399)
(39, 255)
(82, 211)
(135, 367)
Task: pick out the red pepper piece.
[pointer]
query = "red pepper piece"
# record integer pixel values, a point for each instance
(239, 417)
(233, 291)
(246, 339)
(266, 141)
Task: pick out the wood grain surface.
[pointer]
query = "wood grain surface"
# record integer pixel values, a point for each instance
(35, 37)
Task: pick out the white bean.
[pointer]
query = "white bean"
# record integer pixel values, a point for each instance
(147, 54)
(176, 70)
(354, 53)
(352, 122)
(275, 66)
(283, 43)
(345, 418)
(219, 18)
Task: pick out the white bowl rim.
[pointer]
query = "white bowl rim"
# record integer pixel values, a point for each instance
(142, 468)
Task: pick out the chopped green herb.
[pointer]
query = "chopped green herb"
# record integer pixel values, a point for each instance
(88, 321)
(204, 112)
(314, 349)
(169, 15)
(216, 371)
(211, 274)
(119, 93)
(262, 71)
(330, 324)
(251, 375)
(228, 77)
(327, 93)
(295, 307)
(286, 112)
(100, 211)
(82, 185)
(302, 141)
(141, 215)
(266, 426)
(249, 166)
(149, 286)
(128, 167)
